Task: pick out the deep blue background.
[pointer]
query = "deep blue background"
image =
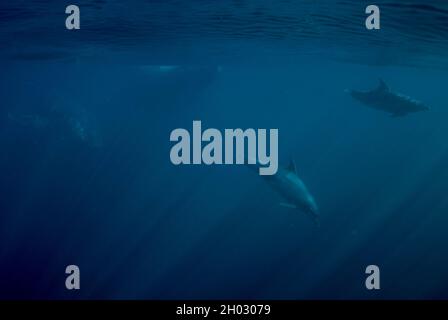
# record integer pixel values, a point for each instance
(140, 228)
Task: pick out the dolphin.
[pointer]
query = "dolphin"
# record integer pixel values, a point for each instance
(291, 188)
(382, 98)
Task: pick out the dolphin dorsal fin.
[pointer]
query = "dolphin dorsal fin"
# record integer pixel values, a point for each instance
(291, 166)
(383, 87)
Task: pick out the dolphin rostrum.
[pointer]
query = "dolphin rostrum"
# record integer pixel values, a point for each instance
(294, 192)
(382, 98)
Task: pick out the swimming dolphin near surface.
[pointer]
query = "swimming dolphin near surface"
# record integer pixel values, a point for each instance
(382, 98)
(292, 189)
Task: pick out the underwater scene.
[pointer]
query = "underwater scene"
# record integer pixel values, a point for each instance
(318, 166)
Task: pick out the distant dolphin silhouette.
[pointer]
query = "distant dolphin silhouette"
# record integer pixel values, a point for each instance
(57, 123)
(382, 98)
(294, 192)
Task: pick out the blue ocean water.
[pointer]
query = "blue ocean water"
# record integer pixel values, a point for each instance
(86, 177)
